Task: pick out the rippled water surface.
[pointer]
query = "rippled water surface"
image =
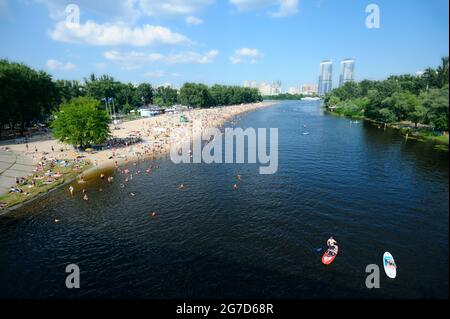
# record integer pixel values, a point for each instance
(369, 188)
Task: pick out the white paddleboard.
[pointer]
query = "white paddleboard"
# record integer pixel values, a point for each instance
(389, 265)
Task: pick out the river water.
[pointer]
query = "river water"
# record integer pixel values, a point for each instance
(368, 188)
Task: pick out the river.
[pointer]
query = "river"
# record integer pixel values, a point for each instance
(367, 187)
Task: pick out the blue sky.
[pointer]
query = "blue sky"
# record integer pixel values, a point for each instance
(223, 41)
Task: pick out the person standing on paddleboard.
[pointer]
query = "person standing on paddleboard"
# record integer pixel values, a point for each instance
(331, 243)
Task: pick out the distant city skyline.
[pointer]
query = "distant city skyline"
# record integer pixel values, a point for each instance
(224, 42)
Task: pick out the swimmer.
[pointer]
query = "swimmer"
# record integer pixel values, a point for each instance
(235, 186)
(57, 220)
(153, 214)
(239, 177)
(181, 186)
(85, 197)
(132, 194)
(102, 176)
(71, 190)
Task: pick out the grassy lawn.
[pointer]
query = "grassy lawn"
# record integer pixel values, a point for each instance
(440, 140)
(41, 185)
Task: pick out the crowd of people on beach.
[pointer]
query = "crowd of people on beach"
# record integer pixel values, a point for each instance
(46, 172)
(117, 142)
(135, 141)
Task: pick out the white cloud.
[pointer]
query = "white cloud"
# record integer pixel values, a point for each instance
(191, 20)
(93, 33)
(285, 7)
(155, 74)
(192, 57)
(53, 64)
(245, 55)
(116, 10)
(160, 74)
(127, 10)
(157, 8)
(135, 60)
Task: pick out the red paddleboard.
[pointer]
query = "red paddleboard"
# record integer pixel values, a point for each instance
(328, 258)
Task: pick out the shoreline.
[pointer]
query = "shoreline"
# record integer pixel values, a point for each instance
(412, 135)
(155, 133)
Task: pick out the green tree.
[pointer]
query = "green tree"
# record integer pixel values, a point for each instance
(126, 95)
(68, 90)
(436, 102)
(443, 73)
(195, 95)
(386, 116)
(418, 114)
(165, 96)
(144, 94)
(81, 122)
(127, 108)
(103, 87)
(26, 95)
(402, 104)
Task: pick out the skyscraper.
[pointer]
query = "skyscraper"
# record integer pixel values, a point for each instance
(325, 77)
(347, 71)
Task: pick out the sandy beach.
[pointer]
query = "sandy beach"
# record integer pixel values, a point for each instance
(157, 134)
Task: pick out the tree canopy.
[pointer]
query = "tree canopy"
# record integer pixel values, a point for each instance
(26, 95)
(419, 99)
(81, 122)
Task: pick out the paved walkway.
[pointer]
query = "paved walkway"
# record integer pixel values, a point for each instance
(13, 165)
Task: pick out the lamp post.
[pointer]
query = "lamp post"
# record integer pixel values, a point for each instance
(111, 100)
(106, 106)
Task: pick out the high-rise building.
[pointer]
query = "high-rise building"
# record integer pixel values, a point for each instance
(308, 89)
(293, 90)
(347, 71)
(325, 77)
(253, 84)
(246, 84)
(276, 88)
(265, 89)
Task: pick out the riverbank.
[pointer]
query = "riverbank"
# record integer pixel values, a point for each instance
(156, 135)
(407, 129)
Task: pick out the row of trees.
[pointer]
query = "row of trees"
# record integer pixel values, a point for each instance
(200, 95)
(284, 96)
(28, 96)
(419, 99)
